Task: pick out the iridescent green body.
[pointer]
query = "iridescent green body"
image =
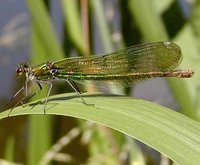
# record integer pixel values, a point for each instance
(125, 67)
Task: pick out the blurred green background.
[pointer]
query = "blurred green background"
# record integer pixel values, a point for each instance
(37, 31)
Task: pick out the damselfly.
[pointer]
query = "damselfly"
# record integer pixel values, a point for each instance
(126, 66)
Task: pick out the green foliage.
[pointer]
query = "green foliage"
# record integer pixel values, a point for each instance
(157, 126)
(169, 132)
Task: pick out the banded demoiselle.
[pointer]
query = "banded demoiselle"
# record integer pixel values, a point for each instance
(126, 66)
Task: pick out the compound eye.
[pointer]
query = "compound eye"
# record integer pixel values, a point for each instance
(19, 71)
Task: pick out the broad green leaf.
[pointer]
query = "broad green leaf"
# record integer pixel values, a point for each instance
(167, 131)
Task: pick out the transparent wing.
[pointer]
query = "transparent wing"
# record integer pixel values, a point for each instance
(124, 66)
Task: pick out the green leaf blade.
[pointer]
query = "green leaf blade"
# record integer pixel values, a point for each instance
(167, 131)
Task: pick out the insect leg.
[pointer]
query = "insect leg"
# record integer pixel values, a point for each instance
(16, 95)
(26, 98)
(35, 93)
(21, 101)
(77, 91)
(75, 86)
(48, 93)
